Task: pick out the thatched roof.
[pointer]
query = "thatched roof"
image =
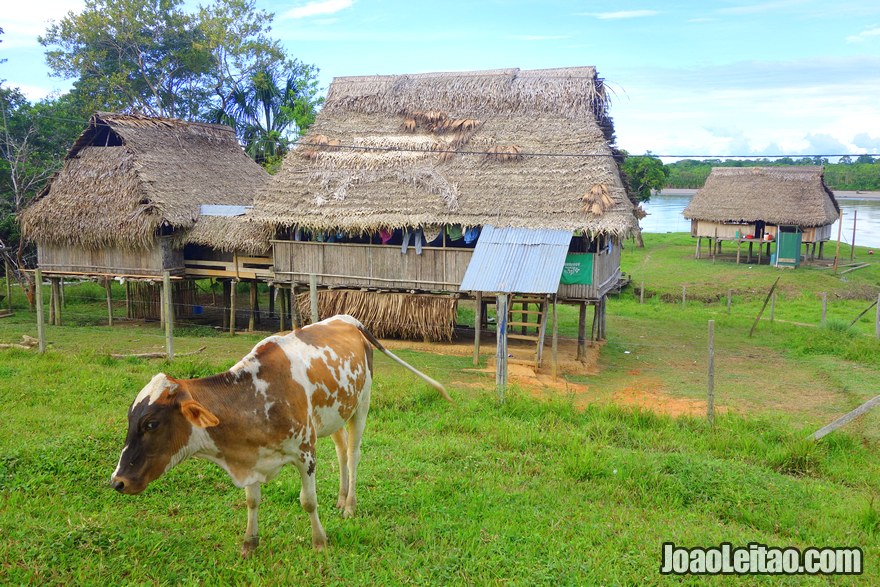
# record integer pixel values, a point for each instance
(465, 148)
(227, 233)
(128, 175)
(777, 195)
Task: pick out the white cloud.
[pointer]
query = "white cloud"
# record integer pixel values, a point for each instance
(620, 14)
(864, 35)
(758, 8)
(24, 21)
(318, 7)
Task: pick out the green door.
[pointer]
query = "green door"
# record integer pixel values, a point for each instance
(788, 246)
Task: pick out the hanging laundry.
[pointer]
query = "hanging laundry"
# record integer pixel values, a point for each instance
(433, 233)
(454, 232)
(471, 234)
(385, 235)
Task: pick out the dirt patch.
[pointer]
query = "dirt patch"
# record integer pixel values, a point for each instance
(662, 403)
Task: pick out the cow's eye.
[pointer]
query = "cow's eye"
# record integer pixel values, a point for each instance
(151, 425)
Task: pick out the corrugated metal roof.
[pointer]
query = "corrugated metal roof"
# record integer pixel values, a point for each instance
(222, 210)
(517, 260)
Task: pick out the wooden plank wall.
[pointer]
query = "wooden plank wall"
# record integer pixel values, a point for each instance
(365, 265)
(111, 260)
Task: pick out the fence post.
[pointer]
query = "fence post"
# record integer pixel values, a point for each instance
(877, 324)
(41, 327)
(8, 285)
(710, 402)
(772, 306)
(642, 293)
(168, 310)
(233, 283)
(108, 286)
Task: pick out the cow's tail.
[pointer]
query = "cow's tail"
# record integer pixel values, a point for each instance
(369, 336)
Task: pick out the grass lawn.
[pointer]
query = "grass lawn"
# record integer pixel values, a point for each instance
(574, 488)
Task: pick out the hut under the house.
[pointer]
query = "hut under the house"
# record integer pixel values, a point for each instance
(416, 184)
(784, 206)
(138, 196)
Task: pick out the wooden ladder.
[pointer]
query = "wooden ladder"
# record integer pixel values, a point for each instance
(528, 314)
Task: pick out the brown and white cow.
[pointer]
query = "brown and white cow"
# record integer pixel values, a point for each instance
(267, 411)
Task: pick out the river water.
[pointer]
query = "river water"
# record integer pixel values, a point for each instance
(664, 215)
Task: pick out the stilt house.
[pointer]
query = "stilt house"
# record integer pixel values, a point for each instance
(782, 206)
(138, 196)
(451, 183)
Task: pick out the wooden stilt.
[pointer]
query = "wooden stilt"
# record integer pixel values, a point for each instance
(582, 331)
(313, 297)
(109, 290)
(51, 301)
(296, 315)
(128, 299)
(232, 293)
(271, 302)
(478, 319)
(227, 288)
(281, 310)
(252, 318)
(168, 311)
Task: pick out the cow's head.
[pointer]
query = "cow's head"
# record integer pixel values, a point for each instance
(160, 424)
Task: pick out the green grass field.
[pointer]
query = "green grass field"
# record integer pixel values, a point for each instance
(567, 489)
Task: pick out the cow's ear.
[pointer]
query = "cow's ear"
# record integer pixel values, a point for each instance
(198, 415)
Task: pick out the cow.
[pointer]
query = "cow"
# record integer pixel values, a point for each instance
(266, 411)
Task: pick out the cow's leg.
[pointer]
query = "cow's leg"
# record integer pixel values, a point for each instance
(341, 442)
(251, 535)
(308, 499)
(356, 426)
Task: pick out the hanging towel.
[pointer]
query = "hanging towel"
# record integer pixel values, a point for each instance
(454, 232)
(432, 233)
(385, 235)
(471, 234)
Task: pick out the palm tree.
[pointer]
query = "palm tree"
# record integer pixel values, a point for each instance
(272, 110)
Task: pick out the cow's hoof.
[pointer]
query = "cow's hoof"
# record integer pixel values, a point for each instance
(319, 542)
(340, 503)
(249, 546)
(348, 512)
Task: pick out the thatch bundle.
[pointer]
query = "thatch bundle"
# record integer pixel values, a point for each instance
(127, 176)
(474, 135)
(781, 195)
(390, 315)
(597, 200)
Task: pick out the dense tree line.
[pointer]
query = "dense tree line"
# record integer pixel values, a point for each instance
(849, 173)
(214, 63)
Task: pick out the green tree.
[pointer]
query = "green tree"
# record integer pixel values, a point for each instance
(146, 56)
(644, 173)
(269, 112)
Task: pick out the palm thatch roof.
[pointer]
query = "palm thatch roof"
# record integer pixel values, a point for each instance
(127, 176)
(528, 149)
(780, 195)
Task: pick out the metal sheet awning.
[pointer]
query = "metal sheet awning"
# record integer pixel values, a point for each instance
(222, 210)
(517, 260)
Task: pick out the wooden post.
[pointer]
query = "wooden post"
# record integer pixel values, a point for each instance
(227, 294)
(232, 283)
(710, 401)
(296, 319)
(594, 331)
(729, 300)
(642, 293)
(501, 345)
(697, 253)
(272, 291)
(58, 301)
(877, 323)
(846, 419)
(555, 344)
(478, 322)
(767, 299)
(837, 250)
(313, 296)
(62, 302)
(51, 301)
(168, 310)
(109, 289)
(8, 285)
(252, 319)
(824, 307)
(582, 332)
(127, 299)
(281, 312)
(738, 250)
(161, 308)
(41, 328)
(852, 250)
(683, 296)
(602, 314)
(772, 306)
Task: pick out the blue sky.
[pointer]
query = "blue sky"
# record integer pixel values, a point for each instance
(702, 78)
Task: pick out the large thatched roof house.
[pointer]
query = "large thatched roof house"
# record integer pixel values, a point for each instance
(131, 191)
(736, 202)
(443, 155)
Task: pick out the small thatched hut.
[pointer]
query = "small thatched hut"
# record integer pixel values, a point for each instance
(434, 158)
(131, 189)
(760, 204)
